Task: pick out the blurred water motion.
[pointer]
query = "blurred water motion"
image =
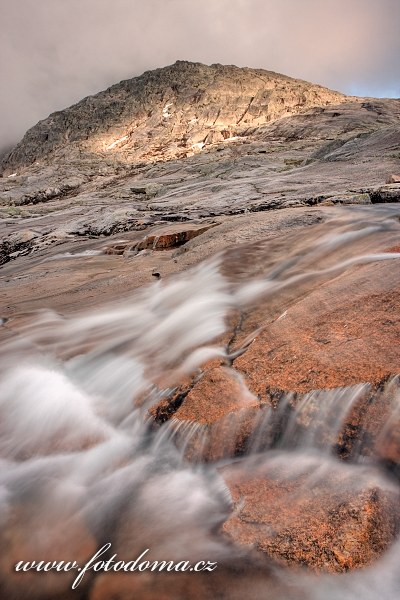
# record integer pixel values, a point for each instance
(82, 463)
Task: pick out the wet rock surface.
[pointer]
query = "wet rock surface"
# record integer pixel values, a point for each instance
(340, 333)
(326, 526)
(211, 430)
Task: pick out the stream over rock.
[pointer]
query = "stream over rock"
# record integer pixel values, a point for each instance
(158, 422)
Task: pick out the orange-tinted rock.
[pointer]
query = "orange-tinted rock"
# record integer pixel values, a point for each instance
(341, 334)
(215, 418)
(393, 249)
(162, 239)
(365, 423)
(225, 411)
(388, 445)
(318, 332)
(219, 392)
(328, 525)
(172, 238)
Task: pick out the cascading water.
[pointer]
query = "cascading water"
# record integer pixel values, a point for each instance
(83, 464)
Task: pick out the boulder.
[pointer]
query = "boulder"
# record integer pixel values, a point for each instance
(148, 189)
(330, 524)
(215, 418)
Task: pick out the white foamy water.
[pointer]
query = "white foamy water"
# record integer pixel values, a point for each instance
(82, 463)
(83, 254)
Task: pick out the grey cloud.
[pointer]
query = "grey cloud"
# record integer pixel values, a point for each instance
(54, 52)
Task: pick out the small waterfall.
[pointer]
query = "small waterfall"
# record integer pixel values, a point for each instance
(317, 420)
(83, 463)
(387, 444)
(305, 422)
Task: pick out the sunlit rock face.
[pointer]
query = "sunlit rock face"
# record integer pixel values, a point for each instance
(188, 143)
(169, 113)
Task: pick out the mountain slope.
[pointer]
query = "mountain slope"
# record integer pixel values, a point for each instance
(190, 143)
(169, 113)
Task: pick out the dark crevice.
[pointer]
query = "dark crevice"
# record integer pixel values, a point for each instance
(166, 409)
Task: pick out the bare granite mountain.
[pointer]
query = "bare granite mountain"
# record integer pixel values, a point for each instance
(191, 142)
(168, 113)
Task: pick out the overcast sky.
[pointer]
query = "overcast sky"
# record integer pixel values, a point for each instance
(55, 52)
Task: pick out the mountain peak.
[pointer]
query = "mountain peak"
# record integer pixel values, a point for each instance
(166, 113)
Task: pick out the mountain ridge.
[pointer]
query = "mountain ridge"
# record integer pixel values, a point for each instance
(194, 104)
(190, 144)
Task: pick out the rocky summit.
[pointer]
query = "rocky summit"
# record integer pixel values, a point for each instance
(168, 113)
(191, 142)
(126, 193)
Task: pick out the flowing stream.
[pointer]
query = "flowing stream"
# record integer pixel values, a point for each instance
(83, 464)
